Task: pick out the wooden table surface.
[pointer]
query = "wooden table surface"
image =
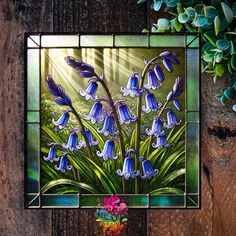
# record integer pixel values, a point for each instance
(217, 216)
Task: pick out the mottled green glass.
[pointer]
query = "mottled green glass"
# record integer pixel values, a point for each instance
(33, 41)
(60, 200)
(96, 40)
(192, 158)
(167, 201)
(193, 41)
(167, 41)
(33, 146)
(32, 200)
(192, 117)
(87, 200)
(193, 79)
(33, 79)
(192, 201)
(136, 200)
(131, 41)
(59, 40)
(32, 116)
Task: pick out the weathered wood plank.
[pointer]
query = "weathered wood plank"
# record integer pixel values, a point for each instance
(96, 16)
(16, 17)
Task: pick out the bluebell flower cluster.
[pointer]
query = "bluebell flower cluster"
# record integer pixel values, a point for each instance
(113, 115)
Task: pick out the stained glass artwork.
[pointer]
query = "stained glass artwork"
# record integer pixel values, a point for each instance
(112, 115)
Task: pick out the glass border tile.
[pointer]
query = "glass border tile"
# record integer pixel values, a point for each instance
(167, 41)
(131, 41)
(96, 40)
(59, 41)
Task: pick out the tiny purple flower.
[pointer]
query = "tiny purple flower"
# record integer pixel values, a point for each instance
(108, 126)
(90, 91)
(161, 141)
(148, 171)
(62, 121)
(64, 164)
(52, 155)
(108, 151)
(132, 88)
(151, 103)
(125, 115)
(171, 120)
(72, 142)
(95, 113)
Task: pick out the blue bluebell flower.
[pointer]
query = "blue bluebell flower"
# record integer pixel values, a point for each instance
(152, 80)
(156, 126)
(173, 59)
(52, 155)
(148, 171)
(151, 103)
(177, 104)
(56, 90)
(125, 115)
(132, 88)
(165, 54)
(128, 169)
(171, 120)
(91, 141)
(161, 141)
(159, 72)
(62, 121)
(95, 113)
(167, 65)
(64, 164)
(90, 91)
(84, 69)
(108, 151)
(72, 142)
(109, 126)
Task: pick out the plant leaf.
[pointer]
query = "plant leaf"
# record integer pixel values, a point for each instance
(229, 15)
(217, 25)
(200, 20)
(157, 5)
(222, 44)
(163, 24)
(57, 182)
(177, 24)
(167, 190)
(172, 176)
(183, 18)
(229, 93)
(234, 107)
(219, 69)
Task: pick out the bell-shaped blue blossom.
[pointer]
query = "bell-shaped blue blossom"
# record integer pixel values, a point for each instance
(95, 113)
(178, 86)
(52, 155)
(128, 169)
(72, 142)
(90, 139)
(161, 141)
(159, 72)
(152, 80)
(171, 120)
(148, 171)
(151, 103)
(156, 127)
(64, 164)
(90, 91)
(167, 65)
(108, 126)
(177, 104)
(165, 54)
(108, 151)
(62, 121)
(132, 88)
(173, 59)
(125, 115)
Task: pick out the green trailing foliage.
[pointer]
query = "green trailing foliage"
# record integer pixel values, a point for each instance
(216, 21)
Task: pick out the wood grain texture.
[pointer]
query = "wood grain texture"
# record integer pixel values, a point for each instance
(16, 17)
(218, 155)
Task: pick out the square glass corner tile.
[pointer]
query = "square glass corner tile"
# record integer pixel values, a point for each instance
(193, 41)
(33, 41)
(59, 40)
(192, 201)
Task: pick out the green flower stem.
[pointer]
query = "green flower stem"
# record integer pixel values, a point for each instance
(138, 122)
(151, 137)
(121, 140)
(83, 132)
